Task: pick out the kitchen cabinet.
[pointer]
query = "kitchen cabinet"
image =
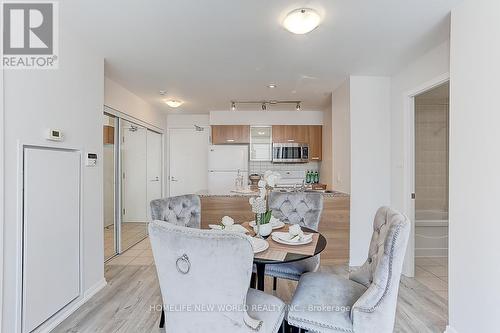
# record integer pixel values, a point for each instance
(290, 133)
(230, 134)
(315, 141)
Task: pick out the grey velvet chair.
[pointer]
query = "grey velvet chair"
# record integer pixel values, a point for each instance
(296, 208)
(183, 210)
(210, 268)
(366, 302)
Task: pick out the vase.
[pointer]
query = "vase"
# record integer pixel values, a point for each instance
(265, 229)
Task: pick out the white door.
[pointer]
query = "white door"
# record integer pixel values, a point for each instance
(51, 240)
(134, 173)
(188, 161)
(154, 180)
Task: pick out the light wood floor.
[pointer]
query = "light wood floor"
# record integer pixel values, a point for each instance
(130, 300)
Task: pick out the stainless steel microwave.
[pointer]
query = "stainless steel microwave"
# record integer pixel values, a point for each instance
(290, 152)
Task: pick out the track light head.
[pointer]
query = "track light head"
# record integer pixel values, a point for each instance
(233, 106)
(264, 107)
(297, 107)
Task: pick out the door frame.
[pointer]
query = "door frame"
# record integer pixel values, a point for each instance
(409, 162)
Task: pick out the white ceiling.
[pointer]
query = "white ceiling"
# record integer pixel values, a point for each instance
(210, 52)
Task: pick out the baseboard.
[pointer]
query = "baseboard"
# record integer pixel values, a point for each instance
(72, 307)
(450, 329)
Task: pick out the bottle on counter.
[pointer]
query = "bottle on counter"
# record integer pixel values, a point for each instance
(308, 177)
(316, 177)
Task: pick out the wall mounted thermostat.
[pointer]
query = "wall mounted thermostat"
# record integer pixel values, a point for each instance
(91, 160)
(55, 135)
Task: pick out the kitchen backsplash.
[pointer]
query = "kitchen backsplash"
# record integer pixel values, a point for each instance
(260, 167)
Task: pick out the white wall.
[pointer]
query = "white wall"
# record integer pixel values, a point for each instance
(187, 120)
(266, 117)
(71, 99)
(341, 136)
(370, 158)
(433, 64)
(474, 164)
(123, 100)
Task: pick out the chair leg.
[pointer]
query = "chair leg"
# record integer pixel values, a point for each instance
(275, 283)
(162, 319)
(253, 281)
(286, 326)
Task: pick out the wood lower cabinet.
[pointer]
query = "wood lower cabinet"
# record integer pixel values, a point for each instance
(108, 134)
(290, 133)
(230, 134)
(315, 142)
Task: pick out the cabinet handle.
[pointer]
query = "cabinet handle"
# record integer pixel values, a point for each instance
(290, 140)
(230, 140)
(314, 158)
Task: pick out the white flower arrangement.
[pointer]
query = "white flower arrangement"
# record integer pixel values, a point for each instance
(259, 204)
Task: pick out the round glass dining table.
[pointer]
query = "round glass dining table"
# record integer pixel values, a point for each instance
(290, 256)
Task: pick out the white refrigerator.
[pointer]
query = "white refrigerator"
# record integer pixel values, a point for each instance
(224, 163)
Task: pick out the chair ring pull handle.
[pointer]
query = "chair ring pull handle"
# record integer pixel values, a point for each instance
(183, 265)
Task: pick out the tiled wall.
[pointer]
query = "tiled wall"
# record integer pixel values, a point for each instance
(431, 156)
(261, 167)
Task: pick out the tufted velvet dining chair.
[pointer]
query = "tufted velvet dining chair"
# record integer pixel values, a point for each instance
(366, 302)
(183, 210)
(204, 277)
(296, 208)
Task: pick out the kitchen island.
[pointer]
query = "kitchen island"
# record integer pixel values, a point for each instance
(334, 224)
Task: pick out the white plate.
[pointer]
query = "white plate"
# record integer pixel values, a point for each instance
(232, 228)
(278, 237)
(276, 225)
(258, 244)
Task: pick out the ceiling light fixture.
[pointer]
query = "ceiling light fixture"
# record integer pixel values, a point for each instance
(266, 103)
(173, 103)
(272, 85)
(301, 21)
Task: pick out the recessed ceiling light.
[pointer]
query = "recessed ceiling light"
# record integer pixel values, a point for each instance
(301, 21)
(272, 85)
(173, 103)
(162, 92)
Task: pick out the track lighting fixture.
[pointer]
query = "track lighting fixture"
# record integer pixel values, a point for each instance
(264, 104)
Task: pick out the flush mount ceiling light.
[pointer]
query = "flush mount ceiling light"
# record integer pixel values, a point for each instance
(272, 85)
(301, 21)
(173, 103)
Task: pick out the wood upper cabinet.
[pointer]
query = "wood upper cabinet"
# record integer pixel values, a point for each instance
(315, 142)
(230, 134)
(310, 134)
(290, 133)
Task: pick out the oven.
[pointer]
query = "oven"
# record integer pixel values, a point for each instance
(290, 153)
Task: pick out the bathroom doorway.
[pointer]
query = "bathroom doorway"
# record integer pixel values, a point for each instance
(431, 168)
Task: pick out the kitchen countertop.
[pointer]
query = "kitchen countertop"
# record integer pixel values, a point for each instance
(206, 193)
